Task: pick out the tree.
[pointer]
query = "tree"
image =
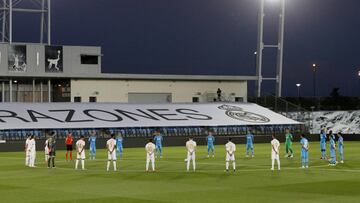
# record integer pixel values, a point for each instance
(335, 93)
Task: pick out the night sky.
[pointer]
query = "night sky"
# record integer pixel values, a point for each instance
(216, 37)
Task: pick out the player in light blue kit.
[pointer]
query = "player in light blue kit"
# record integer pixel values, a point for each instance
(119, 145)
(341, 147)
(323, 144)
(331, 134)
(332, 161)
(249, 144)
(92, 144)
(158, 143)
(210, 139)
(304, 151)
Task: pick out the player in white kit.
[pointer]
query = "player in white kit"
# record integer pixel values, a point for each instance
(32, 151)
(111, 148)
(275, 146)
(46, 149)
(150, 155)
(230, 154)
(191, 148)
(27, 155)
(80, 153)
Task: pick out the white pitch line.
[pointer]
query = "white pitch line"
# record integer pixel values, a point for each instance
(314, 168)
(259, 167)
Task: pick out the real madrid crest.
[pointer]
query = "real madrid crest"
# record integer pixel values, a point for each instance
(238, 113)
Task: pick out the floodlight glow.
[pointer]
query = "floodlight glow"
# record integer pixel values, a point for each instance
(298, 85)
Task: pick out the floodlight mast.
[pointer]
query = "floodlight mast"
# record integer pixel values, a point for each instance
(261, 46)
(9, 7)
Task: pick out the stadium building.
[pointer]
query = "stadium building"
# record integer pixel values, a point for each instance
(49, 73)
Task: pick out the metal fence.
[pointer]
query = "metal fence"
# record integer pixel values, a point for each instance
(286, 108)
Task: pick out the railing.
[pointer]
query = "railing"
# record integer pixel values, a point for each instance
(149, 132)
(286, 108)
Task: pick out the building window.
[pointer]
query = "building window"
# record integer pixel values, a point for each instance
(89, 59)
(77, 99)
(239, 99)
(92, 99)
(195, 99)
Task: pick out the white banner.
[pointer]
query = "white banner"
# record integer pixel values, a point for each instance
(115, 115)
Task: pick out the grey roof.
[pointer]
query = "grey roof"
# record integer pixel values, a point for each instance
(116, 76)
(170, 77)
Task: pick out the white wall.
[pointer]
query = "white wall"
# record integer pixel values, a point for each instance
(181, 91)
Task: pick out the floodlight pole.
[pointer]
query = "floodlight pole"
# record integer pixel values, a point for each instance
(49, 21)
(9, 7)
(261, 46)
(280, 53)
(3, 22)
(359, 82)
(42, 22)
(10, 20)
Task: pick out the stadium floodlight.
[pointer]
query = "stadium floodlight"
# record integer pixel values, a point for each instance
(314, 67)
(359, 73)
(298, 85)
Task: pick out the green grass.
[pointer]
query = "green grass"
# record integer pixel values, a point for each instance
(252, 182)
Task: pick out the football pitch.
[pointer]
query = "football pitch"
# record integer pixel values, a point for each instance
(252, 182)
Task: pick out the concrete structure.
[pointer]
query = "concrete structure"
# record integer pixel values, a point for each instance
(44, 73)
(155, 91)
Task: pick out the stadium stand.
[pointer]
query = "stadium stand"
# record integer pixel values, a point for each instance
(148, 132)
